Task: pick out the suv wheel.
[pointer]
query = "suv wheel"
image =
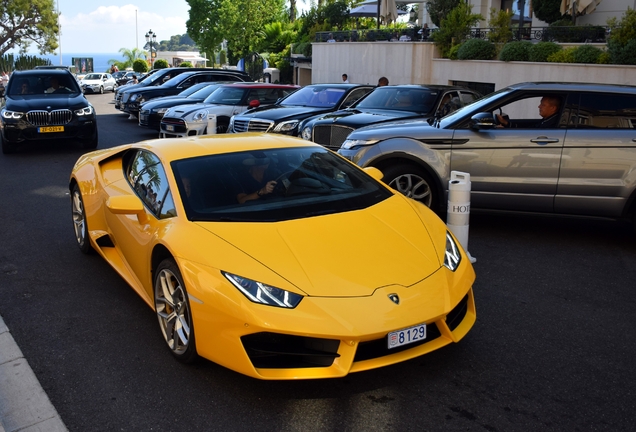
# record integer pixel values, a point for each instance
(413, 182)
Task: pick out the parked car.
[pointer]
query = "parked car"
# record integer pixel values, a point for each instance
(98, 83)
(122, 77)
(33, 111)
(385, 104)
(284, 116)
(585, 164)
(135, 96)
(157, 77)
(152, 111)
(245, 285)
(223, 103)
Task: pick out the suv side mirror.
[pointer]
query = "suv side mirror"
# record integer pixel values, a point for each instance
(254, 103)
(482, 120)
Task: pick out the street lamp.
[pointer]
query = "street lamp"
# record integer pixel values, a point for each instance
(151, 38)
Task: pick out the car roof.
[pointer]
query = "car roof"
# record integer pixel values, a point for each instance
(261, 85)
(569, 86)
(427, 86)
(183, 148)
(39, 72)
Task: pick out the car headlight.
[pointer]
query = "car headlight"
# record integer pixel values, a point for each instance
(286, 126)
(84, 111)
(351, 143)
(137, 98)
(306, 133)
(161, 110)
(12, 114)
(200, 116)
(452, 255)
(264, 294)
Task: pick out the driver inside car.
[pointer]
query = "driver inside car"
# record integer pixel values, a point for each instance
(255, 184)
(548, 110)
(55, 85)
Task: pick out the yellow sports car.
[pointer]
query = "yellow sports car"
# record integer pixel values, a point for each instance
(273, 256)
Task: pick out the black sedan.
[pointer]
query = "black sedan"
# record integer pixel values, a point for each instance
(46, 105)
(151, 112)
(385, 104)
(284, 116)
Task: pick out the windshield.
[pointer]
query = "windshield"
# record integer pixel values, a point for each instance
(315, 96)
(226, 96)
(199, 91)
(404, 99)
(308, 182)
(43, 83)
(93, 77)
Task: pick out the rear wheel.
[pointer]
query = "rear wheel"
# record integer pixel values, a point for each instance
(79, 221)
(173, 311)
(101, 89)
(413, 182)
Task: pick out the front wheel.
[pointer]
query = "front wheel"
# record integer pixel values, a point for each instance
(413, 182)
(79, 221)
(101, 89)
(7, 148)
(173, 311)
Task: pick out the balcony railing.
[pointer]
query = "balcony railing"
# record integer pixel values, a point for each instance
(570, 34)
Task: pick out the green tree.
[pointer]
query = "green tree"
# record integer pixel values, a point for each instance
(161, 64)
(622, 40)
(129, 57)
(438, 9)
(28, 21)
(547, 10)
(500, 24)
(455, 28)
(140, 65)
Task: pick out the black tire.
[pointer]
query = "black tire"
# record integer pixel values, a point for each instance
(92, 142)
(413, 182)
(79, 221)
(222, 126)
(8, 148)
(173, 311)
(101, 89)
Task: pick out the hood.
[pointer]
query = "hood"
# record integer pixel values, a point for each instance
(341, 255)
(281, 112)
(168, 101)
(185, 110)
(358, 119)
(409, 127)
(46, 102)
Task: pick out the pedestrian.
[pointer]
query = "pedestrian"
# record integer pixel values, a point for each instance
(383, 81)
(345, 78)
(5, 79)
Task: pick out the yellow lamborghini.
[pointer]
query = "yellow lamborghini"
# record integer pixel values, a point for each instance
(272, 256)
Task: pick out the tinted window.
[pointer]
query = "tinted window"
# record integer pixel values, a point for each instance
(309, 182)
(315, 96)
(601, 111)
(395, 98)
(148, 178)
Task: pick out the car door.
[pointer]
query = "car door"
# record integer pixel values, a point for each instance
(598, 168)
(511, 168)
(146, 178)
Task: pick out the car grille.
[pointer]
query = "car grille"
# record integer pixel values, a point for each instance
(280, 351)
(46, 118)
(331, 136)
(255, 125)
(379, 347)
(173, 121)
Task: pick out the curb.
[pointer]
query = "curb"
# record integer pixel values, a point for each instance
(24, 406)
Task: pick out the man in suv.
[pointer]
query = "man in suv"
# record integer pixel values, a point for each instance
(584, 164)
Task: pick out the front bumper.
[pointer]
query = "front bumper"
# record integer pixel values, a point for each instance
(23, 131)
(150, 120)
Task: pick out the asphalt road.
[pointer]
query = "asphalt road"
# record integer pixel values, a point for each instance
(552, 350)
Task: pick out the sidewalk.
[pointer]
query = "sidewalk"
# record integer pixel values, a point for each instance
(24, 406)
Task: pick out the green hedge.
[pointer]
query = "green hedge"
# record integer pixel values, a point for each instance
(516, 51)
(477, 49)
(540, 51)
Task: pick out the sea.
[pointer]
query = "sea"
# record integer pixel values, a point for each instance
(100, 60)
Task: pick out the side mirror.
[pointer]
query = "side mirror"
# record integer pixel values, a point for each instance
(127, 204)
(482, 120)
(374, 172)
(254, 103)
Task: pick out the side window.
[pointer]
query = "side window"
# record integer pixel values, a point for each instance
(467, 98)
(266, 96)
(148, 179)
(355, 95)
(449, 103)
(603, 111)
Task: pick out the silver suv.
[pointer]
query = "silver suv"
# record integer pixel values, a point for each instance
(582, 163)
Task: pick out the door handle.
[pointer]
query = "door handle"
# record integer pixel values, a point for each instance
(542, 140)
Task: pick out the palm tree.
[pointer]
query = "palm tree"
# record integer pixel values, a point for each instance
(130, 56)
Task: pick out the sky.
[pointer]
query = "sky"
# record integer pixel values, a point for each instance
(89, 28)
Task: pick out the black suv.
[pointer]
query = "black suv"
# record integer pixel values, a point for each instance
(49, 105)
(162, 76)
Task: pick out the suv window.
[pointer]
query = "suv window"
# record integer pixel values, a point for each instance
(148, 179)
(602, 111)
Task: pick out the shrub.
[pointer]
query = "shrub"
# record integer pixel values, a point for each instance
(452, 53)
(587, 54)
(621, 43)
(604, 58)
(185, 64)
(476, 49)
(622, 54)
(500, 25)
(566, 55)
(540, 51)
(516, 51)
(455, 27)
(161, 64)
(140, 65)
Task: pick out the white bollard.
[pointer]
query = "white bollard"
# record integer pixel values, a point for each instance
(211, 124)
(458, 213)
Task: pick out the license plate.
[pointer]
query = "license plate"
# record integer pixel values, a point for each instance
(407, 336)
(170, 128)
(45, 129)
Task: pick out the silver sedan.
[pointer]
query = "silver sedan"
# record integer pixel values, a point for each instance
(98, 83)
